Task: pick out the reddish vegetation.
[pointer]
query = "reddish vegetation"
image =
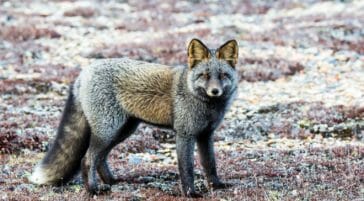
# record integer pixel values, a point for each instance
(26, 32)
(333, 115)
(11, 142)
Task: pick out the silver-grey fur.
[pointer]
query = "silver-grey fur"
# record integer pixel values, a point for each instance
(117, 94)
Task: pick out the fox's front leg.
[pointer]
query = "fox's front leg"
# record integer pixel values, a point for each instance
(185, 147)
(207, 156)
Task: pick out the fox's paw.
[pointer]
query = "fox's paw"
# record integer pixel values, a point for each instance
(100, 189)
(193, 195)
(220, 185)
(110, 180)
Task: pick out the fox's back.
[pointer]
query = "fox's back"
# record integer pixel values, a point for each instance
(143, 90)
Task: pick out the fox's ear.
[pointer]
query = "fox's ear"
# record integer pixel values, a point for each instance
(229, 52)
(197, 52)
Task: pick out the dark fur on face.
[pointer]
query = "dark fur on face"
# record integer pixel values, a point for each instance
(212, 73)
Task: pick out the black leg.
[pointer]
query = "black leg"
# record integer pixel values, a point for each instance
(89, 167)
(207, 157)
(185, 147)
(124, 132)
(105, 173)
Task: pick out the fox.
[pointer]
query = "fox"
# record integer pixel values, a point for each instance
(111, 97)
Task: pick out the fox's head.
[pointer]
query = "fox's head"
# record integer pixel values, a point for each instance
(211, 72)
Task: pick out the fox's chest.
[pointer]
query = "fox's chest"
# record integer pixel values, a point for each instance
(211, 118)
(198, 118)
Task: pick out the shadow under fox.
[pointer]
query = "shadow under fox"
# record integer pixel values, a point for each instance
(111, 97)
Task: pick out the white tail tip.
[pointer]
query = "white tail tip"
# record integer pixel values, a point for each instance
(38, 176)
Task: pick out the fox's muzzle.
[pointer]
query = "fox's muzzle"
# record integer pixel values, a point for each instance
(214, 88)
(214, 92)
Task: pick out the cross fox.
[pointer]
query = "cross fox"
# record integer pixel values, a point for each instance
(111, 97)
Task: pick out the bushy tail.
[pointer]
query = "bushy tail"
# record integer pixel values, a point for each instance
(63, 159)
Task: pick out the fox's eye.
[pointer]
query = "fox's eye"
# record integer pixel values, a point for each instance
(206, 76)
(224, 75)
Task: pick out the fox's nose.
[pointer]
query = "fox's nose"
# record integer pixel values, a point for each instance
(215, 92)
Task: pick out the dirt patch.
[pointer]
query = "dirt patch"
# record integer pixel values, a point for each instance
(253, 69)
(16, 55)
(298, 120)
(26, 32)
(85, 12)
(319, 31)
(169, 49)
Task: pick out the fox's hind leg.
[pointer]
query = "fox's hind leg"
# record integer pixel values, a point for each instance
(101, 142)
(103, 168)
(105, 173)
(89, 164)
